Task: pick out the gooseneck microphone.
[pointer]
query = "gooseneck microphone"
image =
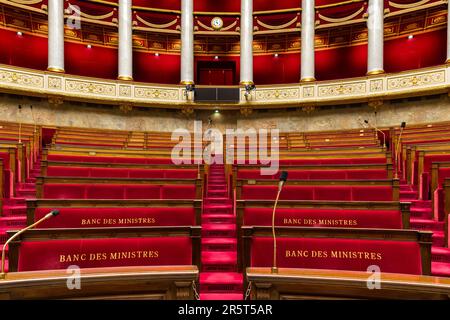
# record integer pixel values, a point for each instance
(283, 178)
(378, 130)
(402, 126)
(18, 233)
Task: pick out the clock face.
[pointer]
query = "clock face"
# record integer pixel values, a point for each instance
(217, 23)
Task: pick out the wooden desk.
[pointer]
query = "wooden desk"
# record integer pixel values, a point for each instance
(299, 284)
(152, 283)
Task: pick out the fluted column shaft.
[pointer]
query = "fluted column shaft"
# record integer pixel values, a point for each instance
(375, 26)
(125, 41)
(308, 33)
(56, 35)
(246, 42)
(187, 41)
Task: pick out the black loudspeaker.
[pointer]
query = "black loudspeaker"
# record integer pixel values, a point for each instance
(227, 95)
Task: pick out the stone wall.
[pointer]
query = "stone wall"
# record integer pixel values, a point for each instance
(413, 111)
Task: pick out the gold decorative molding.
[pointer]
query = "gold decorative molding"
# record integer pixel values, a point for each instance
(187, 110)
(246, 110)
(29, 82)
(125, 108)
(308, 109)
(375, 104)
(55, 100)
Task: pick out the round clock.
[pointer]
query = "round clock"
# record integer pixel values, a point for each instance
(217, 23)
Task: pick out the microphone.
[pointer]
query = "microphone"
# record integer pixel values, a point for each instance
(52, 213)
(283, 178)
(378, 130)
(402, 126)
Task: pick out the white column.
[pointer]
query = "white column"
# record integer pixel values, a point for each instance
(375, 26)
(246, 42)
(125, 41)
(448, 32)
(308, 32)
(187, 42)
(56, 35)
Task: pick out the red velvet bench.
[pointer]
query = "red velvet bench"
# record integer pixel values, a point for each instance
(338, 214)
(118, 170)
(115, 213)
(117, 188)
(332, 190)
(393, 251)
(49, 249)
(314, 172)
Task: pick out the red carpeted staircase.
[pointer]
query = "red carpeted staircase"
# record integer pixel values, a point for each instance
(422, 219)
(14, 209)
(219, 279)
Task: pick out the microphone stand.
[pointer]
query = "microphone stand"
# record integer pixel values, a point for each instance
(283, 178)
(397, 151)
(47, 216)
(274, 267)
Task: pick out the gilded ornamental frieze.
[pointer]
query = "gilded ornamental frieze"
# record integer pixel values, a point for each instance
(370, 88)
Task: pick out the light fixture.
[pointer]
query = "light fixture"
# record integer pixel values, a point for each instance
(217, 111)
(410, 36)
(19, 33)
(89, 46)
(156, 54)
(216, 57)
(276, 55)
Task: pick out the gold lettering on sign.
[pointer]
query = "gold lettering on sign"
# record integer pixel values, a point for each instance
(103, 256)
(334, 254)
(322, 222)
(119, 221)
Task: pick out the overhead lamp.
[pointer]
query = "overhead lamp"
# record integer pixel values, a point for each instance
(410, 37)
(276, 55)
(19, 33)
(216, 57)
(89, 46)
(156, 54)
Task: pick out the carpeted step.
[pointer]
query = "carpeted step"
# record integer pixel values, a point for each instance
(9, 210)
(217, 193)
(440, 269)
(422, 213)
(438, 238)
(226, 209)
(18, 221)
(406, 187)
(230, 282)
(440, 254)
(426, 224)
(408, 195)
(226, 218)
(221, 296)
(416, 203)
(219, 244)
(219, 230)
(219, 261)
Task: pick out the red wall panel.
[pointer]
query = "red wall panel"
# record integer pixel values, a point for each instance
(98, 62)
(268, 69)
(424, 50)
(162, 69)
(342, 62)
(26, 51)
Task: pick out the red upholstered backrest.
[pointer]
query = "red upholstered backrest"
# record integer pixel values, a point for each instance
(117, 191)
(98, 253)
(117, 217)
(338, 254)
(57, 171)
(429, 159)
(443, 174)
(5, 159)
(316, 217)
(341, 193)
(343, 174)
(68, 158)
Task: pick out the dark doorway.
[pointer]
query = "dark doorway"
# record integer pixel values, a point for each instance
(216, 73)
